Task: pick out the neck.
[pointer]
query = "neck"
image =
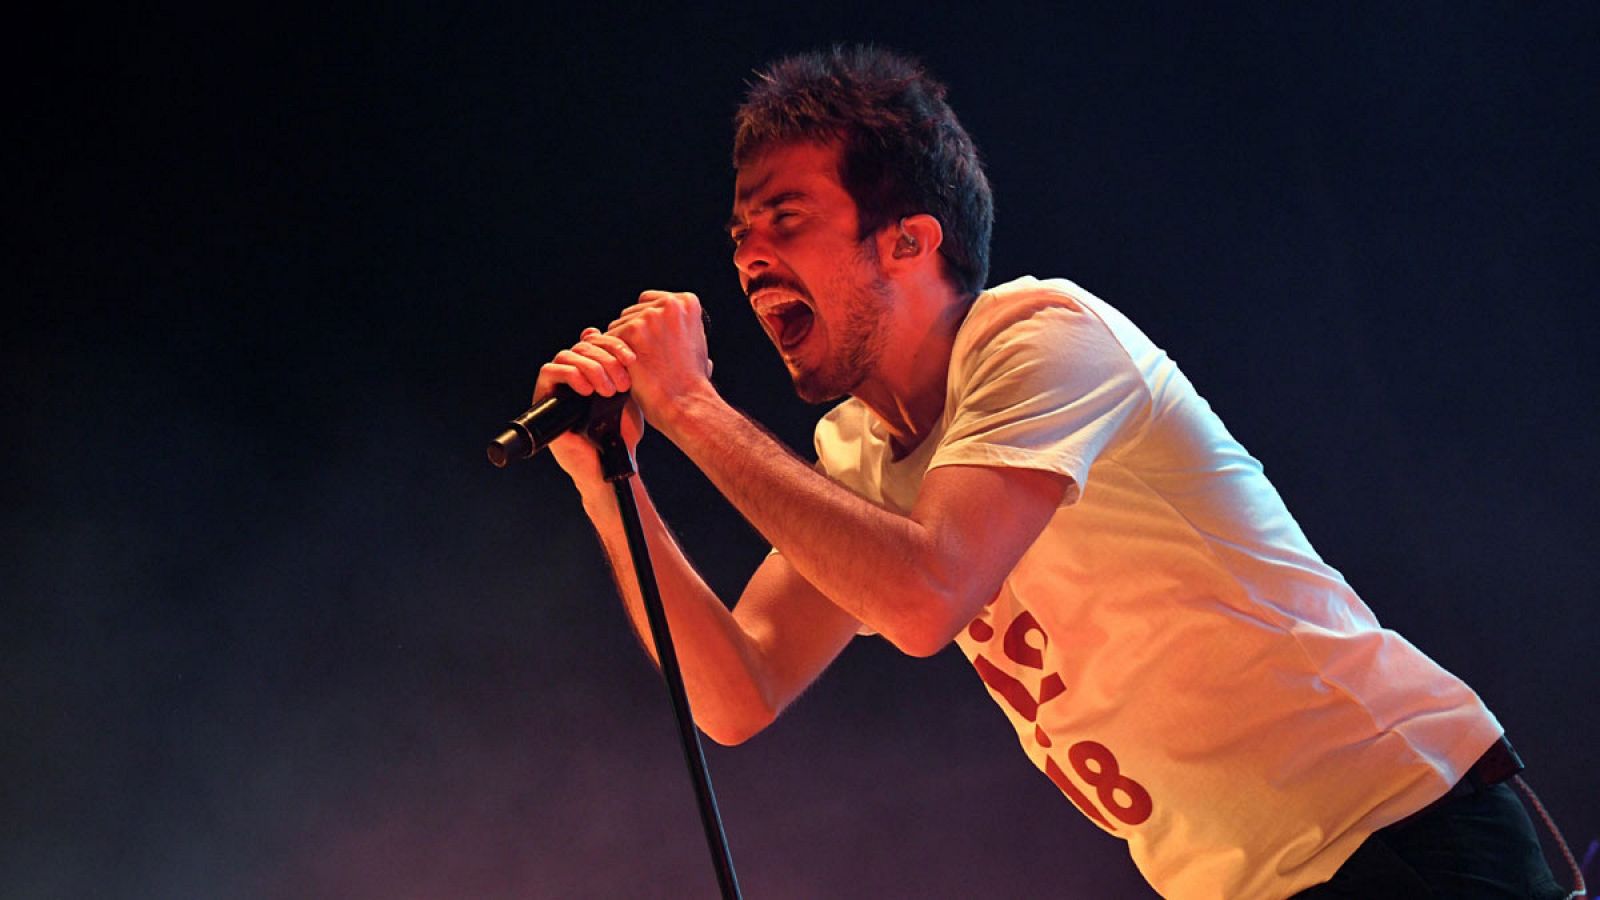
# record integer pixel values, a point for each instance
(906, 390)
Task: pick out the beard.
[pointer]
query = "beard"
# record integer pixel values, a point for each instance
(856, 343)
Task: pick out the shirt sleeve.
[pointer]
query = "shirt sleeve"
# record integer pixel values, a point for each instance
(1047, 386)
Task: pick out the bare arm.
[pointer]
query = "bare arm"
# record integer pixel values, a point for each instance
(916, 579)
(740, 668)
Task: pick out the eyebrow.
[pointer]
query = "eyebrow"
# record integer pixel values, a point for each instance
(775, 200)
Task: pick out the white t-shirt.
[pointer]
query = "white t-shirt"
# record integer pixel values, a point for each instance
(1174, 655)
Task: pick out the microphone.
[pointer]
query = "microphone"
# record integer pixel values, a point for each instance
(545, 421)
(555, 415)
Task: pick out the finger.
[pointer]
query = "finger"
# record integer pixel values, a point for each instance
(684, 303)
(658, 300)
(652, 313)
(616, 346)
(591, 370)
(553, 374)
(615, 368)
(631, 314)
(646, 297)
(634, 311)
(598, 366)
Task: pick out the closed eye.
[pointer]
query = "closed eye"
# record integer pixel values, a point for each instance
(739, 226)
(781, 219)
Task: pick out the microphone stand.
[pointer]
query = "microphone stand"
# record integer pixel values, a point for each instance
(605, 430)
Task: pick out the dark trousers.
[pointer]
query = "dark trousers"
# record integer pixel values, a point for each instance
(1477, 845)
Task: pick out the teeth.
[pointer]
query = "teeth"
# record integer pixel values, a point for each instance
(774, 302)
(784, 314)
(782, 309)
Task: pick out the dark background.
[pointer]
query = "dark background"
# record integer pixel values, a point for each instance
(274, 628)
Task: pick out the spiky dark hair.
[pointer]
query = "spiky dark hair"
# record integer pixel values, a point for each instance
(903, 151)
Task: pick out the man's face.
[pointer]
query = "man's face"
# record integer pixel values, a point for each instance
(816, 288)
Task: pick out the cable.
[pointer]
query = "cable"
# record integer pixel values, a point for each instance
(1580, 890)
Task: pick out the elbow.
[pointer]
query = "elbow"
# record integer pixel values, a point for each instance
(732, 718)
(731, 731)
(922, 642)
(735, 701)
(935, 621)
(944, 603)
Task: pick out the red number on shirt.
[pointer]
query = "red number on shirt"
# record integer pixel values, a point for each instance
(1095, 764)
(1107, 780)
(1018, 649)
(1074, 793)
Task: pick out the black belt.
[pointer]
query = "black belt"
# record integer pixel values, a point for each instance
(1497, 764)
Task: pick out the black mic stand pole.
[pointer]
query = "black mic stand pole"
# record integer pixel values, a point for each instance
(605, 430)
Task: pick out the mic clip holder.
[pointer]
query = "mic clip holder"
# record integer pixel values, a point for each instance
(604, 429)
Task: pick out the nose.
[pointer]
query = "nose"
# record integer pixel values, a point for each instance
(752, 255)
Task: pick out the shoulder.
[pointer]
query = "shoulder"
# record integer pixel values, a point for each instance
(1039, 379)
(1027, 308)
(1053, 323)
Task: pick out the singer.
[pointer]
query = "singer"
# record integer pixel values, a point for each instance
(1020, 470)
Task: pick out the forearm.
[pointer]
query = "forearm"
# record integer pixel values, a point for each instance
(728, 687)
(883, 568)
(916, 579)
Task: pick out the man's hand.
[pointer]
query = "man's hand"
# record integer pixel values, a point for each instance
(655, 351)
(664, 335)
(595, 366)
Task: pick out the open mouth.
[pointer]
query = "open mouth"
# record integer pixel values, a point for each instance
(787, 318)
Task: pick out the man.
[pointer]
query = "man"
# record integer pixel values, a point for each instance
(1023, 472)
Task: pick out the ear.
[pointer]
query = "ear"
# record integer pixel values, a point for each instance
(914, 240)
